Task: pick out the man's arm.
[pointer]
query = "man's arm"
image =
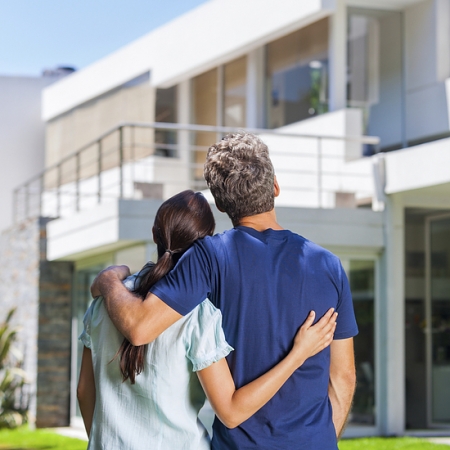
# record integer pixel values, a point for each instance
(342, 381)
(139, 321)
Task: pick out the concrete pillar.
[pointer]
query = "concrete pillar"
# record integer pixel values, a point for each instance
(338, 57)
(392, 321)
(255, 88)
(183, 115)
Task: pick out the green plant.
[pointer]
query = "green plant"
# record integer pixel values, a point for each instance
(12, 378)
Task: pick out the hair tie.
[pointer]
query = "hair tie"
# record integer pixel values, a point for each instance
(169, 251)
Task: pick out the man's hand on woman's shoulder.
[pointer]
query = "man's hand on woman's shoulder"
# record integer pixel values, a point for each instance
(106, 277)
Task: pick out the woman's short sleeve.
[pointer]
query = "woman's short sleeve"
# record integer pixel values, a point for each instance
(206, 343)
(85, 336)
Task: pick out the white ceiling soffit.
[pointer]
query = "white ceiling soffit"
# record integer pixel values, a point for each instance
(209, 34)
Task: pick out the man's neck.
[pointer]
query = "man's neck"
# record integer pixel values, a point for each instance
(261, 222)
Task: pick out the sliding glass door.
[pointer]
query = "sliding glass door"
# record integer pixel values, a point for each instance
(438, 319)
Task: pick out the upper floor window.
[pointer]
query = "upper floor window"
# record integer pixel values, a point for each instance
(375, 74)
(297, 72)
(166, 111)
(234, 93)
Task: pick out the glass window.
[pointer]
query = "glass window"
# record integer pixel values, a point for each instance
(204, 112)
(374, 67)
(234, 93)
(166, 111)
(415, 321)
(297, 71)
(362, 284)
(81, 300)
(439, 318)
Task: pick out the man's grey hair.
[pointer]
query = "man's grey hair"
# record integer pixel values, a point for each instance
(240, 175)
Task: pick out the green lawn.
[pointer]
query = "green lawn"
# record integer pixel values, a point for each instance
(24, 439)
(390, 444)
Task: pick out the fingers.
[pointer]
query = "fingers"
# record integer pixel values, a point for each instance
(328, 318)
(309, 320)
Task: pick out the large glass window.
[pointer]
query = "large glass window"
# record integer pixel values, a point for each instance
(166, 111)
(362, 284)
(204, 112)
(297, 72)
(80, 302)
(374, 67)
(438, 318)
(427, 318)
(234, 93)
(415, 321)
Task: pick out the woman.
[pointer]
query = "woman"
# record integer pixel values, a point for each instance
(159, 408)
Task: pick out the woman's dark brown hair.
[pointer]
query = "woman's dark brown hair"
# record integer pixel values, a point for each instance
(179, 222)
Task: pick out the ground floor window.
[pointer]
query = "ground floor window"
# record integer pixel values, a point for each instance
(361, 274)
(427, 318)
(80, 302)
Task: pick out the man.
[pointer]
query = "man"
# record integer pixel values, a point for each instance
(265, 280)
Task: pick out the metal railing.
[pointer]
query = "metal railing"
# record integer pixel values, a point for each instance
(144, 160)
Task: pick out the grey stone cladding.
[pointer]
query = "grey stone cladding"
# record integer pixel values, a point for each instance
(41, 292)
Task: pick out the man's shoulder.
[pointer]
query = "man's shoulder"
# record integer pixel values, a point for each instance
(211, 243)
(312, 250)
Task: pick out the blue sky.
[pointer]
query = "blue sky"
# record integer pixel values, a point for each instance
(38, 34)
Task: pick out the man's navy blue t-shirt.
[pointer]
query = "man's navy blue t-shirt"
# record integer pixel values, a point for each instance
(265, 284)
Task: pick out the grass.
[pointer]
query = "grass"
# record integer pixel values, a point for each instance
(407, 443)
(25, 439)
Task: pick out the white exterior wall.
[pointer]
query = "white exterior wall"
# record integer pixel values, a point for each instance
(21, 137)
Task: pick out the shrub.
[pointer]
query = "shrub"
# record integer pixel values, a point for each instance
(12, 378)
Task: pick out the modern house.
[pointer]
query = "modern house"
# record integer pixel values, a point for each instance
(353, 99)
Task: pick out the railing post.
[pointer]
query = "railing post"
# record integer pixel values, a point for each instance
(132, 158)
(58, 192)
(27, 199)
(41, 193)
(121, 160)
(15, 205)
(99, 172)
(77, 193)
(319, 172)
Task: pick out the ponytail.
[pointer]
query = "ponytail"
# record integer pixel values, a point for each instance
(132, 357)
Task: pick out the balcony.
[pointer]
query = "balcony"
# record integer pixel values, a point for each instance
(318, 165)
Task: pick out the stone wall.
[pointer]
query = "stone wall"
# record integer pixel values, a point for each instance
(41, 292)
(54, 344)
(19, 288)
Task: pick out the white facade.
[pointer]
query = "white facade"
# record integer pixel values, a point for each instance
(352, 98)
(22, 134)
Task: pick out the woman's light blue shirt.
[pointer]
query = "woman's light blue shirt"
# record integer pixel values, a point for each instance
(160, 410)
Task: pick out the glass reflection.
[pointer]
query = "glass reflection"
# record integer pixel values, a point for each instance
(362, 280)
(297, 72)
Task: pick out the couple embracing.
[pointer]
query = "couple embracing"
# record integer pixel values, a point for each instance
(258, 318)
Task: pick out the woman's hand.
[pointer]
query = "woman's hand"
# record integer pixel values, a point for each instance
(311, 339)
(233, 406)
